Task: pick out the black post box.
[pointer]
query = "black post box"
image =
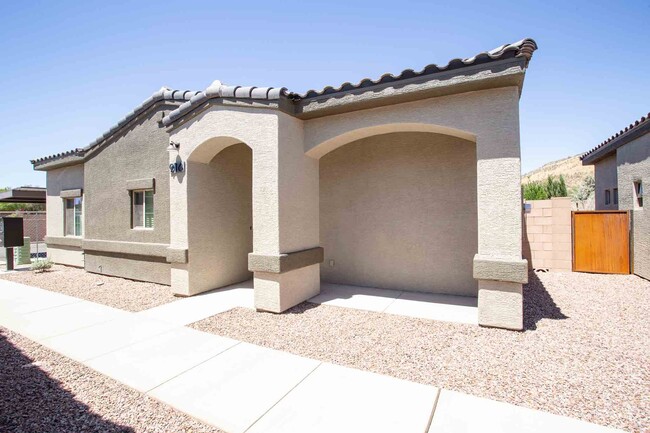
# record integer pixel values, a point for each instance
(11, 232)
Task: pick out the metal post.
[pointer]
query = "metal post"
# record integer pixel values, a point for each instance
(10, 258)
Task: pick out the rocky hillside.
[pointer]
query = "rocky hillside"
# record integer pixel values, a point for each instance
(571, 168)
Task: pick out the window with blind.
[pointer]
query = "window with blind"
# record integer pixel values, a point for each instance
(73, 217)
(142, 215)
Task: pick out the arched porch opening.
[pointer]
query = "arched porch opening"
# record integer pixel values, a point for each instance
(219, 213)
(398, 208)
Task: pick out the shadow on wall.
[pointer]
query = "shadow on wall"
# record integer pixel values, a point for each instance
(538, 304)
(31, 401)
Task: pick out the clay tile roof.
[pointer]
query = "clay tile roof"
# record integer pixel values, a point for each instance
(521, 49)
(164, 94)
(615, 140)
(220, 90)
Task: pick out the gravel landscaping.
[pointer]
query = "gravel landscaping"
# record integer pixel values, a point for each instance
(42, 391)
(584, 353)
(112, 291)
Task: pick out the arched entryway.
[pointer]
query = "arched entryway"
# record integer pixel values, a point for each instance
(219, 212)
(398, 210)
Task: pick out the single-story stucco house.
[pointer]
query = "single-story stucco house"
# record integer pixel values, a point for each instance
(410, 181)
(622, 172)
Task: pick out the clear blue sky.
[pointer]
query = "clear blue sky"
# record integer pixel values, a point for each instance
(71, 69)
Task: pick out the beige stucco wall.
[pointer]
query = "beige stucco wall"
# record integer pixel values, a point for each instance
(606, 179)
(284, 193)
(140, 152)
(399, 211)
(57, 180)
(64, 255)
(286, 153)
(547, 234)
(490, 118)
(220, 218)
(633, 161)
(134, 267)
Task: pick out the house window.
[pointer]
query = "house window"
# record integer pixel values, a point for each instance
(142, 215)
(638, 194)
(73, 217)
(616, 196)
(608, 197)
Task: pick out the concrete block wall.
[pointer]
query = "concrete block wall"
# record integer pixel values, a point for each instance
(547, 234)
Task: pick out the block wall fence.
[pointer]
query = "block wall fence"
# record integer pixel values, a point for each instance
(547, 234)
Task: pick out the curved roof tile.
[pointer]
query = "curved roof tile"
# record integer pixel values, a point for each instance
(219, 90)
(523, 48)
(164, 94)
(630, 127)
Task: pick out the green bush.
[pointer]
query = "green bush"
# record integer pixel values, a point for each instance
(544, 190)
(41, 265)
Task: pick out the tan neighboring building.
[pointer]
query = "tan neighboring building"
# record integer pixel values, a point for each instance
(409, 181)
(622, 172)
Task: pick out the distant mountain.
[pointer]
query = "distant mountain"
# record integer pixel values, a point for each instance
(571, 168)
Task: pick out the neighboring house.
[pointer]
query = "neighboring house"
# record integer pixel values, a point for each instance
(409, 181)
(622, 172)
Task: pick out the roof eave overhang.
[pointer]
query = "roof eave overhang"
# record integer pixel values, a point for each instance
(502, 73)
(80, 155)
(611, 147)
(59, 162)
(23, 196)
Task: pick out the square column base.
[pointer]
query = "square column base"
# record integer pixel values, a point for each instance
(279, 292)
(500, 304)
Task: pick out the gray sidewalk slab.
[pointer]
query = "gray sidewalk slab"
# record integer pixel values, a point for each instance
(340, 399)
(150, 363)
(96, 340)
(192, 309)
(237, 387)
(62, 319)
(457, 412)
(240, 387)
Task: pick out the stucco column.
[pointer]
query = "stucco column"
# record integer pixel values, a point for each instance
(177, 253)
(498, 266)
(286, 255)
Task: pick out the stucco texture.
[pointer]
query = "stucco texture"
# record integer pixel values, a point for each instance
(58, 180)
(138, 153)
(633, 161)
(399, 211)
(220, 218)
(284, 198)
(605, 174)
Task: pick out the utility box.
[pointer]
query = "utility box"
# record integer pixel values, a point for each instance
(11, 232)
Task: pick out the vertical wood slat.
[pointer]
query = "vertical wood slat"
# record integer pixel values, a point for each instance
(601, 241)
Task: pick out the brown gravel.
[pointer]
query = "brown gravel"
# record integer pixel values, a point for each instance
(42, 391)
(584, 354)
(112, 291)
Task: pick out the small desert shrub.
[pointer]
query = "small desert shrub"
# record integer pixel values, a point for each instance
(553, 187)
(41, 265)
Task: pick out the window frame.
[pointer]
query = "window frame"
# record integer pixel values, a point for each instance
(616, 196)
(75, 206)
(637, 190)
(144, 209)
(608, 197)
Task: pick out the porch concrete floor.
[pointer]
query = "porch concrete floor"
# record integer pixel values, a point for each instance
(447, 308)
(242, 387)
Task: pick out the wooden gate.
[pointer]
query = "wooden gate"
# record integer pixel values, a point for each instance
(601, 241)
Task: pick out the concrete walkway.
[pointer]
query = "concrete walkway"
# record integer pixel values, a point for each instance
(447, 308)
(240, 387)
